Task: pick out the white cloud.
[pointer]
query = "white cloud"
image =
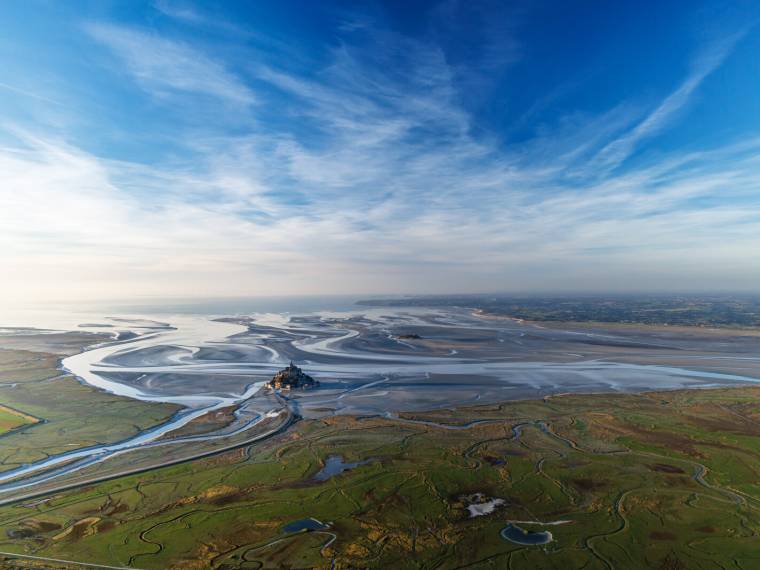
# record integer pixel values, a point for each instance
(162, 66)
(614, 153)
(179, 10)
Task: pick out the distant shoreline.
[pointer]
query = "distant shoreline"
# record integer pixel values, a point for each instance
(753, 331)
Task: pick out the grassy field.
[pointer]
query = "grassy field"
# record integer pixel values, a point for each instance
(661, 480)
(11, 419)
(69, 414)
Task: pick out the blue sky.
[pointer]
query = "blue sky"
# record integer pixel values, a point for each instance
(204, 149)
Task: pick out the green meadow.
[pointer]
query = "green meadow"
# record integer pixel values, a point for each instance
(659, 480)
(65, 414)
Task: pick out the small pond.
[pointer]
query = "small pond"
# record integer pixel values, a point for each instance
(334, 465)
(518, 535)
(304, 524)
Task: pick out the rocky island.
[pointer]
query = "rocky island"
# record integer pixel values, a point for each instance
(291, 378)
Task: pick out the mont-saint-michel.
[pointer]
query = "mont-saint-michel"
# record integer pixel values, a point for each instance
(291, 378)
(379, 284)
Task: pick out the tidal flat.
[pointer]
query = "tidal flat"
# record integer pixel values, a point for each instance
(391, 360)
(421, 407)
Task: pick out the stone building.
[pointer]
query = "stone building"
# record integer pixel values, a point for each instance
(291, 378)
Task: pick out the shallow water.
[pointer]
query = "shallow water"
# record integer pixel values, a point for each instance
(304, 524)
(518, 535)
(334, 465)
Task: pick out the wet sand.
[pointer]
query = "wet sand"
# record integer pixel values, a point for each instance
(367, 363)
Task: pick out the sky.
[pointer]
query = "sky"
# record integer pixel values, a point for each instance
(203, 149)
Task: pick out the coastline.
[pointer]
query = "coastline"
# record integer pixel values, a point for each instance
(627, 326)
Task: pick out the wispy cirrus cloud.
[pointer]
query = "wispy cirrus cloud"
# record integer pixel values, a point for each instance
(180, 11)
(228, 242)
(618, 150)
(163, 66)
(28, 93)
